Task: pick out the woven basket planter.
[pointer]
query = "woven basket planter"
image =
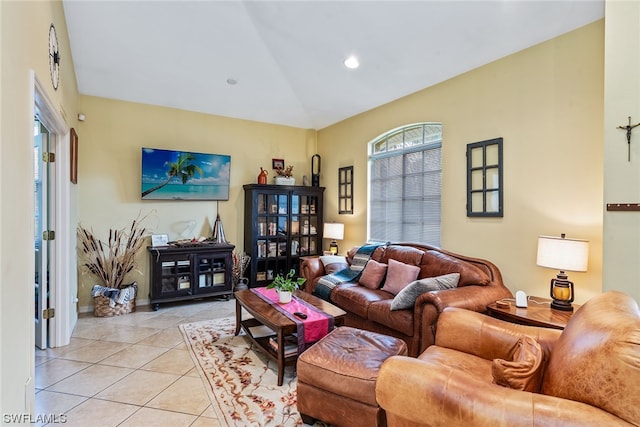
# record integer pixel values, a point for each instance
(102, 307)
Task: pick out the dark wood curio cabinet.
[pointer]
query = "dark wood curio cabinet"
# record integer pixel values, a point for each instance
(190, 271)
(281, 224)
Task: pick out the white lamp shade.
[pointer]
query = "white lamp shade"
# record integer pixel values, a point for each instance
(333, 230)
(563, 254)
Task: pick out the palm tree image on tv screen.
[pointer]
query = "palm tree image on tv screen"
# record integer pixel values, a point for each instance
(182, 175)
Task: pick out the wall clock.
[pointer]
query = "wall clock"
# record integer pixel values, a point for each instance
(54, 57)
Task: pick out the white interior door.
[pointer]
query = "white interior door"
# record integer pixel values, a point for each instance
(43, 210)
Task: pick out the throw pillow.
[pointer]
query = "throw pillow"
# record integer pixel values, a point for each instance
(406, 298)
(333, 263)
(373, 274)
(524, 372)
(399, 275)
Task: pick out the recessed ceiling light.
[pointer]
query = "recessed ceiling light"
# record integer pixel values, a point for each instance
(232, 81)
(351, 62)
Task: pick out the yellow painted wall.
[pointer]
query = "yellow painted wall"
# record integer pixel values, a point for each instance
(622, 182)
(109, 170)
(546, 102)
(24, 35)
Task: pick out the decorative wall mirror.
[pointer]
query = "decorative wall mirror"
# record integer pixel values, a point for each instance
(345, 190)
(484, 178)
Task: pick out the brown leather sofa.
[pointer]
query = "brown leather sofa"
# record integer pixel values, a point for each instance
(370, 309)
(589, 375)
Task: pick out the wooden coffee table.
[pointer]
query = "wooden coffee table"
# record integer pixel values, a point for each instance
(265, 314)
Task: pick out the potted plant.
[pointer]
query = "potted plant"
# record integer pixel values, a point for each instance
(284, 176)
(285, 285)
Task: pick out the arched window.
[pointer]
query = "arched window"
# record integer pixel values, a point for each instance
(405, 180)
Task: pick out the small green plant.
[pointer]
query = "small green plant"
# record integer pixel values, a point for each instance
(286, 283)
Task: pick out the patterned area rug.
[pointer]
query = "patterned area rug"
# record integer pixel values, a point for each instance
(242, 383)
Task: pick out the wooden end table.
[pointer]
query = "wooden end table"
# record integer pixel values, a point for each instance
(538, 313)
(265, 314)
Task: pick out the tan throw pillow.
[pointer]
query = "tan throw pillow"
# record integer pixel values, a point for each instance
(373, 274)
(333, 263)
(406, 298)
(524, 371)
(399, 275)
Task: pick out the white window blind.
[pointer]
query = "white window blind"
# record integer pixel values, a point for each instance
(405, 181)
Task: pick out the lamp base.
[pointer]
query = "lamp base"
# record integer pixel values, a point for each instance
(333, 247)
(561, 305)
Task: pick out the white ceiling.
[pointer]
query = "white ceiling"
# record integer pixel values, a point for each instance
(287, 56)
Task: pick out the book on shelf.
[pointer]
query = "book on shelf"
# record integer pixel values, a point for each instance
(261, 331)
(290, 345)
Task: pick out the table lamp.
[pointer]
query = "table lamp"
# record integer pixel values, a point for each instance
(562, 254)
(333, 231)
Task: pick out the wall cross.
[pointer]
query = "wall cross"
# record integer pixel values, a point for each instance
(628, 128)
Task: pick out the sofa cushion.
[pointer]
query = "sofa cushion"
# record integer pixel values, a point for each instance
(436, 264)
(373, 274)
(469, 364)
(333, 263)
(400, 320)
(524, 370)
(356, 299)
(404, 254)
(596, 358)
(406, 298)
(399, 275)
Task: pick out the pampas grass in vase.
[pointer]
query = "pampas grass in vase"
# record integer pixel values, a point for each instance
(111, 261)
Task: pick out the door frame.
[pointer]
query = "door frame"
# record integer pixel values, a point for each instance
(65, 304)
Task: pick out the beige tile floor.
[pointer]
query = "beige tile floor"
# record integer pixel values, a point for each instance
(131, 370)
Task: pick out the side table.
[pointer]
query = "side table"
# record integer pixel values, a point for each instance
(538, 313)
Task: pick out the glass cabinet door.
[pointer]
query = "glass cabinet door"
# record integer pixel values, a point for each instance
(175, 276)
(210, 271)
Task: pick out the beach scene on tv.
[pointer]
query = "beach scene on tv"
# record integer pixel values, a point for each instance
(182, 175)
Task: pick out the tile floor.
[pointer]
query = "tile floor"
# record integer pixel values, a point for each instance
(131, 370)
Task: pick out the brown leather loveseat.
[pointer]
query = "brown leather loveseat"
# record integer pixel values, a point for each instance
(586, 375)
(480, 283)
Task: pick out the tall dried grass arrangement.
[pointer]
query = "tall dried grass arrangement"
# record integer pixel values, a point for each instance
(110, 262)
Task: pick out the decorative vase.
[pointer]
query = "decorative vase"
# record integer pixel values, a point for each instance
(284, 296)
(283, 180)
(262, 176)
(242, 284)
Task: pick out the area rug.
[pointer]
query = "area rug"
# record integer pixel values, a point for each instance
(242, 383)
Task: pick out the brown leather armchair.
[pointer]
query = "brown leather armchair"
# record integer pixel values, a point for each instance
(590, 372)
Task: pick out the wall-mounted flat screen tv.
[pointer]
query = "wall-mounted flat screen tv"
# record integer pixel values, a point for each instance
(183, 175)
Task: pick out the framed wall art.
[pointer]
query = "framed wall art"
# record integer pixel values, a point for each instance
(484, 179)
(277, 163)
(345, 190)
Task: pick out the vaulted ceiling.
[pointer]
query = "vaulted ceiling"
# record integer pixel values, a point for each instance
(286, 57)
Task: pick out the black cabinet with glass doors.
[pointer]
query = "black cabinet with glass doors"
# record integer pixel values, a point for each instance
(190, 271)
(281, 224)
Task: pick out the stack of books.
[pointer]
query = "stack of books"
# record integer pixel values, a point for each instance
(290, 345)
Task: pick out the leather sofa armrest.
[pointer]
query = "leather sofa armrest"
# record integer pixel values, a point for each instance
(483, 336)
(472, 297)
(429, 305)
(311, 268)
(421, 392)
